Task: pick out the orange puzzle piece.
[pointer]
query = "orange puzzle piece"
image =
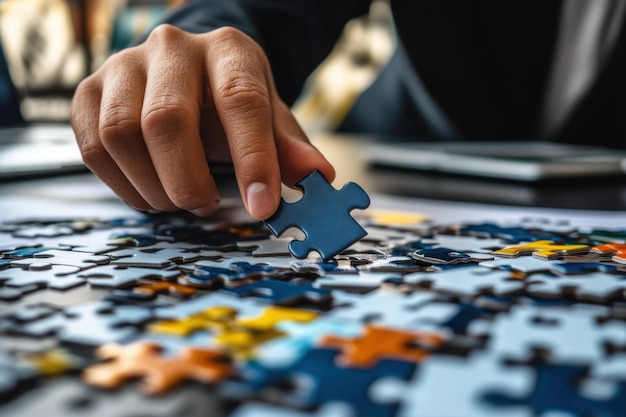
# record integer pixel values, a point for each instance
(159, 373)
(382, 342)
(165, 287)
(617, 250)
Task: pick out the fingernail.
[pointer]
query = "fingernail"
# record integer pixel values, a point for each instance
(206, 210)
(260, 200)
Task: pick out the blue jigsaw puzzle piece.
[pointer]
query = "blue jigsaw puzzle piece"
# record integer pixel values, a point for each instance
(555, 390)
(329, 382)
(514, 234)
(580, 268)
(281, 293)
(323, 214)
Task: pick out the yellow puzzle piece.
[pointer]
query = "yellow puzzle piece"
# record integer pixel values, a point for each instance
(545, 249)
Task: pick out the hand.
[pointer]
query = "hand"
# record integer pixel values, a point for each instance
(149, 119)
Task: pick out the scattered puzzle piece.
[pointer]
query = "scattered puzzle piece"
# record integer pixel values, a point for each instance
(545, 249)
(380, 342)
(160, 374)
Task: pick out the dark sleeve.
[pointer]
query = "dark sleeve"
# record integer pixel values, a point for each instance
(295, 34)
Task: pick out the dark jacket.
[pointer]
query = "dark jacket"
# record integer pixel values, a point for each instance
(485, 63)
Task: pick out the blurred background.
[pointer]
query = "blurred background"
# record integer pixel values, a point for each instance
(50, 45)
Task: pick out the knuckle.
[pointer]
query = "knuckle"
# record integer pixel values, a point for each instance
(164, 33)
(116, 124)
(92, 153)
(163, 116)
(228, 34)
(242, 93)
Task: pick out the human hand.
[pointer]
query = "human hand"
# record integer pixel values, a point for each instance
(148, 120)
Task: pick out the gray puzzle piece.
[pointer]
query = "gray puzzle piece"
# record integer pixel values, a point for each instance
(267, 247)
(594, 287)
(448, 386)
(90, 324)
(468, 281)
(159, 259)
(49, 276)
(568, 334)
(526, 264)
(70, 397)
(380, 307)
(115, 276)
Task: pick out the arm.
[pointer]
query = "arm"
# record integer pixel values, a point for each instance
(147, 121)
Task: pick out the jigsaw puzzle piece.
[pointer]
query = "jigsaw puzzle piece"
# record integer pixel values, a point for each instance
(56, 277)
(67, 257)
(558, 388)
(581, 268)
(465, 244)
(15, 293)
(245, 307)
(544, 249)
(70, 397)
(469, 281)
(160, 374)
(445, 386)
(327, 382)
(14, 374)
(378, 307)
(380, 342)
(165, 287)
(509, 234)
(598, 287)
(281, 293)
(246, 335)
(567, 334)
(89, 324)
(443, 255)
(525, 264)
(616, 250)
(323, 214)
(266, 247)
(114, 276)
(159, 259)
(364, 280)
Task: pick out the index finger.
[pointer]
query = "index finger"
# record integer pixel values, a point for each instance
(239, 83)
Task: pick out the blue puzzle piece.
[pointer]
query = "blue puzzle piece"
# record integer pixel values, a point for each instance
(513, 234)
(281, 293)
(580, 268)
(327, 382)
(212, 276)
(323, 214)
(556, 389)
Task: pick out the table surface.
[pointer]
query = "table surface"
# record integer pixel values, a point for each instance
(79, 319)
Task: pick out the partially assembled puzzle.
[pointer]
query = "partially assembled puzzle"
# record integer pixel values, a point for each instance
(373, 313)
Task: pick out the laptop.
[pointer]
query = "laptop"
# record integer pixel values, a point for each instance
(518, 161)
(28, 150)
(38, 150)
